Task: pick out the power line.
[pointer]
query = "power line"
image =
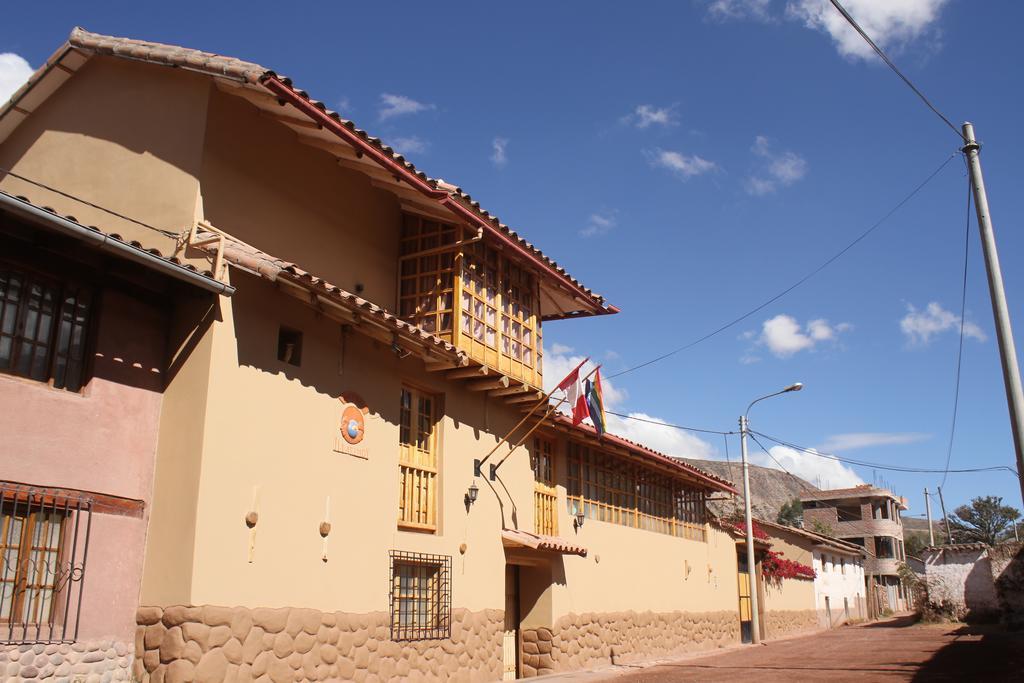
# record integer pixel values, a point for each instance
(666, 424)
(796, 284)
(893, 468)
(960, 349)
(799, 482)
(166, 233)
(891, 65)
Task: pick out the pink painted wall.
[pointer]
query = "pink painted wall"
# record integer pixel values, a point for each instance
(102, 440)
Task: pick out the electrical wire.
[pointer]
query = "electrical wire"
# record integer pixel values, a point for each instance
(796, 284)
(891, 65)
(893, 468)
(799, 482)
(960, 348)
(166, 233)
(666, 424)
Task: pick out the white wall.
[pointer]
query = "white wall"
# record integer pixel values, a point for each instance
(963, 577)
(836, 584)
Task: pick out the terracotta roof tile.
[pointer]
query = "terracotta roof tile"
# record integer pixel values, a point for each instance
(554, 544)
(273, 268)
(250, 72)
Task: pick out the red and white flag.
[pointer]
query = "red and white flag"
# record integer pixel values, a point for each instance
(575, 396)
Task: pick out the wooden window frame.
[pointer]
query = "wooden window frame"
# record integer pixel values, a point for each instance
(545, 491)
(418, 468)
(66, 364)
(426, 274)
(420, 595)
(607, 489)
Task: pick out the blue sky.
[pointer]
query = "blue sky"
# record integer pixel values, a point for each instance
(688, 160)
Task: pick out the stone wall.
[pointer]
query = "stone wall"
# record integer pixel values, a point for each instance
(580, 641)
(93, 661)
(212, 644)
(778, 623)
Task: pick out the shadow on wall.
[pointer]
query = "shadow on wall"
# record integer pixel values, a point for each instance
(979, 594)
(1008, 566)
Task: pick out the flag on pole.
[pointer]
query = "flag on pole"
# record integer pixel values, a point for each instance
(574, 394)
(595, 402)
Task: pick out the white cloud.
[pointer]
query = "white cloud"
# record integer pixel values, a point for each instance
(892, 24)
(560, 359)
(410, 145)
(776, 168)
(920, 326)
(784, 336)
(683, 166)
(820, 471)
(400, 105)
(853, 441)
(14, 71)
(724, 10)
(646, 115)
(498, 156)
(599, 224)
(344, 106)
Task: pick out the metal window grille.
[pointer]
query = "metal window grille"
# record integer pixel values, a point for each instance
(44, 544)
(421, 596)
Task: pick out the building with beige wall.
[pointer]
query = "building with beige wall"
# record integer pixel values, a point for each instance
(305, 473)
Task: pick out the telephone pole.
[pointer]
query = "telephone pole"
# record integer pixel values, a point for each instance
(928, 509)
(1004, 333)
(942, 502)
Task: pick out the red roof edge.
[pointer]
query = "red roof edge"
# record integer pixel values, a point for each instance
(649, 454)
(288, 94)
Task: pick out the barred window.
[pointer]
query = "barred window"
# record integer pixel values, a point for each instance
(421, 596)
(608, 489)
(43, 325)
(44, 539)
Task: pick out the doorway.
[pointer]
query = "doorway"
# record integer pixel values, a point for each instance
(510, 642)
(746, 613)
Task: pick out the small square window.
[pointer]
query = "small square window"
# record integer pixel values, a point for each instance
(421, 598)
(289, 346)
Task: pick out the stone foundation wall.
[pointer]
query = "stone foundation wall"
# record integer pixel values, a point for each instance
(778, 623)
(211, 644)
(580, 641)
(95, 661)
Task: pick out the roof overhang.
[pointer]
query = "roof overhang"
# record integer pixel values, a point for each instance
(46, 219)
(516, 539)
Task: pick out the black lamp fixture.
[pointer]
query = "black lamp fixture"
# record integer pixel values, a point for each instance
(471, 494)
(578, 522)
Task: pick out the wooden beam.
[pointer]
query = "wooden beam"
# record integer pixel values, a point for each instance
(512, 390)
(289, 120)
(529, 397)
(500, 382)
(469, 373)
(441, 366)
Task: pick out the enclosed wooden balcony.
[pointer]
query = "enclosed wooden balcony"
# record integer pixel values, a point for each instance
(454, 284)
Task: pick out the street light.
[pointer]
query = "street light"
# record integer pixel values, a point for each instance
(755, 627)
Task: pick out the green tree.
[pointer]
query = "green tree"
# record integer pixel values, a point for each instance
(819, 527)
(915, 542)
(791, 513)
(984, 520)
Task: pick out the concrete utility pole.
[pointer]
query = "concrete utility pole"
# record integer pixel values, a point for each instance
(755, 619)
(928, 508)
(942, 502)
(1004, 333)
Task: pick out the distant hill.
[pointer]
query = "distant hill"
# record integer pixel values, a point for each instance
(771, 488)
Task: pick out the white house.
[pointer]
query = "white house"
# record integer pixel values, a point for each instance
(840, 594)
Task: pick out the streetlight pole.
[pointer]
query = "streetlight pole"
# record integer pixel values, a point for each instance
(1000, 311)
(755, 620)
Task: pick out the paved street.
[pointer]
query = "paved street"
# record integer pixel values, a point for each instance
(894, 650)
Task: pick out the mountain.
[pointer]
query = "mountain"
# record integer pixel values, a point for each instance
(770, 488)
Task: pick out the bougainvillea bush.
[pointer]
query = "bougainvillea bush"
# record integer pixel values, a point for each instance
(775, 567)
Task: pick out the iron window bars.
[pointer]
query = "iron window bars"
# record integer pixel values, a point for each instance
(421, 596)
(44, 544)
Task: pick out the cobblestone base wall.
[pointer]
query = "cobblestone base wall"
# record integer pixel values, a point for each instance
(97, 661)
(211, 644)
(580, 641)
(778, 623)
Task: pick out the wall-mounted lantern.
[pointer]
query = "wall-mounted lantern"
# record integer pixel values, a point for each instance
(578, 522)
(471, 494)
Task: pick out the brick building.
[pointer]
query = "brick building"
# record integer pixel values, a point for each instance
(869, 517)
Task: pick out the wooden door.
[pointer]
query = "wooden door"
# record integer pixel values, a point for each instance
(746, 612)
(510, 643)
